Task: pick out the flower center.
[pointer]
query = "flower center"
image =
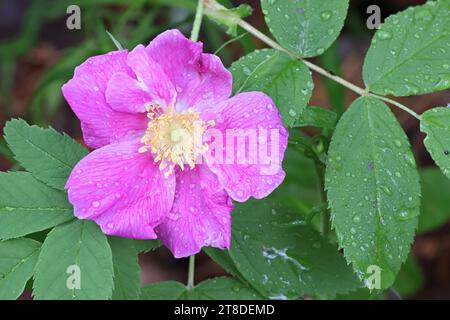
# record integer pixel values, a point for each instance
(175, 138)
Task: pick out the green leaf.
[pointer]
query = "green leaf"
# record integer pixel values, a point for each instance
(47, 154)
(27, 205)
(286, 80)
(435, 211)
(306, 27)
(167, 290)
(143, 246)
(281, 257)
(409, 54)
(410, 278)
(127, 273)
(317, 117)
(222, 288)
(75, 246)
(436, 124)
(362, 294)
(17, 261)
(223, 259)
(373, 189)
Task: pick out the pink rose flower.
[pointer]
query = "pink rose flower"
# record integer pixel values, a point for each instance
(149, 177)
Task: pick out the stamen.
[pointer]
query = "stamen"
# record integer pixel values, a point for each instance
(175, 138)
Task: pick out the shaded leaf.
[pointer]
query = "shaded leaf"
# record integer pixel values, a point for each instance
(127, 273)
(436, 124)
(317, 117)
(281, 257)
(222, 288)
(435, 211)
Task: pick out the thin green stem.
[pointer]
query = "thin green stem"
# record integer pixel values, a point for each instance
(397, 104)
(197, 21)
(261, 36)
(191, 273)
(229, 42)
(333, 77)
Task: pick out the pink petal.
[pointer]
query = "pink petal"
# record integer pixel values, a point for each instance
(122, 190)
(200, 215)
(151, 76)
(125, 94)
(200, 79)
(85, 93)
(259, 170)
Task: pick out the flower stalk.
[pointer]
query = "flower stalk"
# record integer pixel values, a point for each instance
(191, 273)
(197, 21)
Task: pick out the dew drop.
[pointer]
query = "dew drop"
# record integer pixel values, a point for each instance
(325, 15)
(384, 35)
(386, 190)
(410, 160)
(292, 113)
(96, 204)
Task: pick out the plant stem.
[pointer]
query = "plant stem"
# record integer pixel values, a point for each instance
(397, 104)
(194, 37)
(345, 83)
(230, 41)
(191, 272)
(197, 22)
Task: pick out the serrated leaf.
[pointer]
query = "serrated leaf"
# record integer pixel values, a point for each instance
(27, 205)
(306, 27)
(317, 117)
(435, 211)
(17, 261)
(222, 288)
(286, 80)
(409, 54)
(127, 273)
(47, 154)
(281, 257)
(373, 189)
(75, 245)
(436, 124)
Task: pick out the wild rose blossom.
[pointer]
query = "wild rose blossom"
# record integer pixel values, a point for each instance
(149, 177)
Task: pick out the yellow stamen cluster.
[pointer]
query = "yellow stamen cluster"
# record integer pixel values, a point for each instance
(175, 138)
